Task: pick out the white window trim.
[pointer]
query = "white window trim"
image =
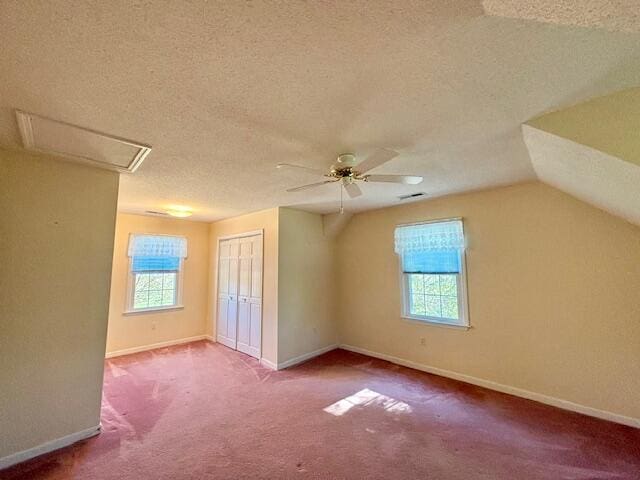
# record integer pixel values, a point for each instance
(129, 310)
(463, 299)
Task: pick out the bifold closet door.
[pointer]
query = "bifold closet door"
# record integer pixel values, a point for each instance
(228, 292)
(250, 296)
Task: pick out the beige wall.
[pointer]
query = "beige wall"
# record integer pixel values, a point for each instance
(609, 124)
(553, 294)
(56, 246)
(306, 285)
(266, 220)
(141, 329)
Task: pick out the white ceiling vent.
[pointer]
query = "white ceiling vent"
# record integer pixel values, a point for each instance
(411, 195)
(81, 144)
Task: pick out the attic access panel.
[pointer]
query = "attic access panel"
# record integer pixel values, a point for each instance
(80, 144)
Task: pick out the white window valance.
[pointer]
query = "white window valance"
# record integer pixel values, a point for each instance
(157, 246)
(436, 236)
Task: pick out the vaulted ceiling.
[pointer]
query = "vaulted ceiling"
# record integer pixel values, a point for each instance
(610, 123)
(592, 151)
(224, 91)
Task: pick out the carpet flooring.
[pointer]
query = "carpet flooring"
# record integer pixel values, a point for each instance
(202, 411)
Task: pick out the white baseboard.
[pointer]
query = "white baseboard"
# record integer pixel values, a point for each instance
(144, 348)
(303, 358)
(47, 447)
(518, 392)
(268, 364)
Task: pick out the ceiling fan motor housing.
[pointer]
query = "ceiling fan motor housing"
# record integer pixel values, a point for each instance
(343, 168)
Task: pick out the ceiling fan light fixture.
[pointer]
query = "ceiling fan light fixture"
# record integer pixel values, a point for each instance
(348, 173)
(347, 159)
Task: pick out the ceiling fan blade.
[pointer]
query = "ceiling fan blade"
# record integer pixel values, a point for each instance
(311, 185)
(375, 160)
(300, 167)
(352, 189)
(404, 179)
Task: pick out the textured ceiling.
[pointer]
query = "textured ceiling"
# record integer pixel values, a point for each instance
(615, 15)
(586, 173)
(592, 151)
(226, 90)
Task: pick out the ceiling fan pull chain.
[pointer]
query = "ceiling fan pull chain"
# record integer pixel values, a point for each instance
(341, 206)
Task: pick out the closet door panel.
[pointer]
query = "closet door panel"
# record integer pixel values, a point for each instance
(223, 276)
(234, 254)
(255, 327)
(232, 320)
(245, 268)
(243, 322)
(227, 301)
(223, 306)
(256, 267)
(223, 269)
(226, 329)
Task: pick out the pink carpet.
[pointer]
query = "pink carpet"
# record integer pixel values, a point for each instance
(202, 411)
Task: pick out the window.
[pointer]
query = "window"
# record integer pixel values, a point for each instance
(433, 272)
(155, 278)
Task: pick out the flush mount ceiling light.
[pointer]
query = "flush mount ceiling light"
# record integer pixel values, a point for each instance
(80, 144)
(179, 211)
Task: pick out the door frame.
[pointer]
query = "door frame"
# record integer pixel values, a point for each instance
(214, 319)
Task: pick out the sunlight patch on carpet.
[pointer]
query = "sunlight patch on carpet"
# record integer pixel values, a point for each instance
(365, 398)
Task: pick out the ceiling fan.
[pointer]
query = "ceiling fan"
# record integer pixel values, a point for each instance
(346, 171)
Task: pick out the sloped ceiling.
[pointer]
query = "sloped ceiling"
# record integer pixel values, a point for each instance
(610, 123)
(223, 91)
(591, 175)
(592, 151)
(615, 15)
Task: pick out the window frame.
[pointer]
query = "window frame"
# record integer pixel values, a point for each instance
(461, 281)
(130, 310)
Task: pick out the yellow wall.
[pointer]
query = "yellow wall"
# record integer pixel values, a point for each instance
(553, 294)
(56, 246)
(142, 329)
(266, 220)
(306, 285)
(609, 124)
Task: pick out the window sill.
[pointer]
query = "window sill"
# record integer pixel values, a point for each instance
(435, 323)
(153, 310)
